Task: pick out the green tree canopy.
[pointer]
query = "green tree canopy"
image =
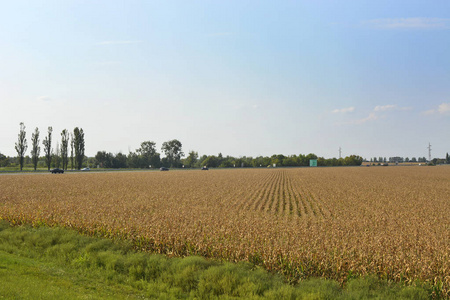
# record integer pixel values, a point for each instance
(173, 151)
(191, 160)
(109, 160)
(147, 155)
(4, 161)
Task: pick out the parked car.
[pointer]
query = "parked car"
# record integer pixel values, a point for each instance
(204, 168)
(56, 171)
(85, 169)
(164, 169)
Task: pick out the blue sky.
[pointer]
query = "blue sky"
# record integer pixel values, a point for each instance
(245, 78)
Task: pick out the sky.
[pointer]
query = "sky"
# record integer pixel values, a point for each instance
(241, 78)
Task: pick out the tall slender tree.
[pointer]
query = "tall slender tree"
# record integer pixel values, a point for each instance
(21, 145)
(48, 147)
(35, 150)
(57, 156)
(64, 148)
(72, 146)
(79, 147)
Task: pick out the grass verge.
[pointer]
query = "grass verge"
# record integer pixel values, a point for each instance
(54, 263)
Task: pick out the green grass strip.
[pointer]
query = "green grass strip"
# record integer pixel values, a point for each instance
(56, 263)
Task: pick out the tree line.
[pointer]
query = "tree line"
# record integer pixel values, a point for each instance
(147, 155)
(60, 157)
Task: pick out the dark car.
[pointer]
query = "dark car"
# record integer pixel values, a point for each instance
(163, 169)
(56, 171)
(205, 168)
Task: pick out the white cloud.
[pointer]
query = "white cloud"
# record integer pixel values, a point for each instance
(371, 117)
(391, 107)
(384, 107)
(409, 23)
(429, 112)
(343, 110)
(118, 42)
(444, 108)
(379, 112)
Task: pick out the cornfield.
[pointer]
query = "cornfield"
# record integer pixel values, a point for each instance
(336, 223)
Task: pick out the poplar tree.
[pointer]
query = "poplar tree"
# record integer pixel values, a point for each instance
(79, 147)
(21, 145)
(57, 156)
(48, 147)
(72, 146)
(64, 148)
(35, 150)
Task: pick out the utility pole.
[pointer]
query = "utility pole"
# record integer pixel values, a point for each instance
(429, 152)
